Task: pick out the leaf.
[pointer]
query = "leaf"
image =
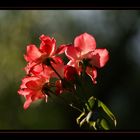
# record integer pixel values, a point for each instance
(104, 124)
(107, 111)
(93, 124)
(81, 115)
(89, 115)
(82, 122)
(97, 115)
(91, 102)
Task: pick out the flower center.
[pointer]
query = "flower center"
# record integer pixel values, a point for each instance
(84, 63)
(46, 61)
(46, 88)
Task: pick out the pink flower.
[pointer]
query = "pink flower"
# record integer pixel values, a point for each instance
(38, 70)
(84, 53)
(68, 76)
(32, 88)
(47, 49)
(36, 56)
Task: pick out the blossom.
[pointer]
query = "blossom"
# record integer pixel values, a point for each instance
(40, 56)
(47, 49)
(32, 88)
(83, 55)
(67, 83)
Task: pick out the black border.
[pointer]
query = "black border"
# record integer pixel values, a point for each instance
(68, 4)
(38, 134)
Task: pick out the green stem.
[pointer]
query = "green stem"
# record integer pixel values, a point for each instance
(64, 101)
(74, 93)
(84, 89)
(71, 105)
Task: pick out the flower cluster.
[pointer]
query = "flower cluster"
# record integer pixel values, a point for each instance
(46, 62)
(47, 73)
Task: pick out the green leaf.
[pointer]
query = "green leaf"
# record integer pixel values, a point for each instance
(107, 111)
(91, 102)
(93, 124)
(97, 115)
(89, 115)
(82, 122)
(81, 115)
(104, 124)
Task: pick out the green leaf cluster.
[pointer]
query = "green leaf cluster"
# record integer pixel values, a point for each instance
(97, 115)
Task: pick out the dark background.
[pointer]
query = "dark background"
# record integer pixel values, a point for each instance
(118, 82)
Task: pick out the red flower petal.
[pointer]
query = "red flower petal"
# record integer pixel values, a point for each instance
(46, 73)
(33, 85)
(57, 60)
(32, 53)
(30, 67)
(37, 95)
(37, 69)
(25, 80)
(71, 63)
(27, 103)
(85, 43)
(59, 68)
(24, 92)
(70, 72)
(99, 57)
(47, 45)
(75, 64)
(61, 49)
(36, 84)
(72, 53)
(92, 72)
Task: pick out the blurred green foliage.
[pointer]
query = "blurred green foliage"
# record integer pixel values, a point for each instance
(117, 83)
